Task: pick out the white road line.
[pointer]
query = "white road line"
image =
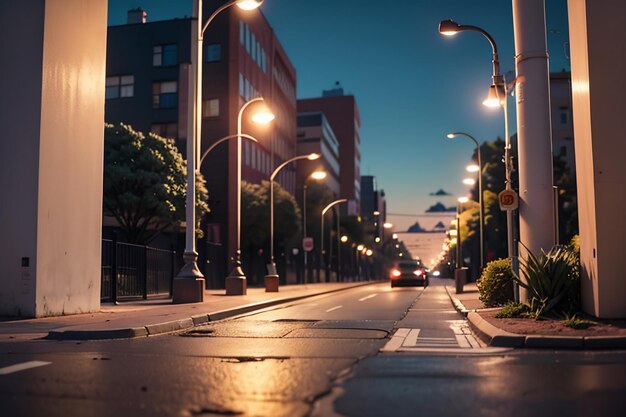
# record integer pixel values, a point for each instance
(333, 309)
(22, 367)
(396, 341)
(411, 338)
(368, 297)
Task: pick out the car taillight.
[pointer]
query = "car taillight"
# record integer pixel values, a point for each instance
(418, 272)
(395, 273)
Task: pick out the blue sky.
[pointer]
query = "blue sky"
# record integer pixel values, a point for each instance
(412, 85)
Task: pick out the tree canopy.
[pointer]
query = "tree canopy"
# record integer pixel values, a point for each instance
(144, 185)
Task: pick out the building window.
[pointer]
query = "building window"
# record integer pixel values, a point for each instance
(165, 95)
(211, 108)
(563, 118)
(247, 39)
(213, 53)
(120, 86)
(166, 130)
(164, 55)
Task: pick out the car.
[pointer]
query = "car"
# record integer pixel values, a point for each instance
(408, 272)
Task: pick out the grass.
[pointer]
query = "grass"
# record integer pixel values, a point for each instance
(513, 310)
(576, 323)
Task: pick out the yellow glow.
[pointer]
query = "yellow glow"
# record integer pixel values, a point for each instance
(388, 225)
(472, 168)
(453, 232)
(360, 248)
(318, 175)
(313, 156)
(449, 33)
(394, 236)
(453, 222)
(344, 239)
(495, 97)
(369, 252)
(249, 4)
(263, 117)
(452, 242)
(463, 200)
(376, 213)
(401, 254)
(450, 135)
(469, 181)
(377, 239)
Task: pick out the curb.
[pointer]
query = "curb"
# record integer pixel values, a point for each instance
(497, 337)
(182, 324)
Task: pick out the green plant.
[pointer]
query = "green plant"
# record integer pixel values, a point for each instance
(574, 322)
(513, 310)
(496, 283)
(551, 280)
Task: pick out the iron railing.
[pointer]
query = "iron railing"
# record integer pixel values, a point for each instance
(134, 271)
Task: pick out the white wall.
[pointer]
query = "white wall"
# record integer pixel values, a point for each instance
(598, 87)
(59, 129)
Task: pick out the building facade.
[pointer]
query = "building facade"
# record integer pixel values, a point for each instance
(342, 114)
(562, 123)
(314, 134)
(147, 87)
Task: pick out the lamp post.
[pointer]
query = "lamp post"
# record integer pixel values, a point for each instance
(236, 281)
(189, 283)
(480, 192)
(316, 175)
(324, 210)
(497, 96)
(271, 279)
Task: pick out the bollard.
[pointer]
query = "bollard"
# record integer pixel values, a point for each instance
(460, 278)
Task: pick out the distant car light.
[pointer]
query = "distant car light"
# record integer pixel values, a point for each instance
(395, 273)
(418, 272)
(436, 273)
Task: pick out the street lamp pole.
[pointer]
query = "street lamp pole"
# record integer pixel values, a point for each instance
(189, 283)
(324, 210)
(236, 281)
(272, 278)
(317, 175)
(497, 97)
(480, 193)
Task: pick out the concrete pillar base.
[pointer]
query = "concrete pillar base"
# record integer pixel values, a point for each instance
(188, 290)
(236, 286)
(271, 283)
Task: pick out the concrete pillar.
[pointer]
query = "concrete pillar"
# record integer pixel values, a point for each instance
(52, 114)
(597, 32)
(536, 207)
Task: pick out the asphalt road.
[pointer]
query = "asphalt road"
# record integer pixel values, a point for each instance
(369, 351)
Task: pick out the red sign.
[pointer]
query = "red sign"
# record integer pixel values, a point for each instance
(307, 244)
(508, 200)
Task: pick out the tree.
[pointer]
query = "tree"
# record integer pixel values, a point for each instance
(255, 223)
(144, 185)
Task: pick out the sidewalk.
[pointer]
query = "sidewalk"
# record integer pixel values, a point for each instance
(493, 331)
(144, 318)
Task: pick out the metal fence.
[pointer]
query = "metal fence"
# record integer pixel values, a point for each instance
(134, 271)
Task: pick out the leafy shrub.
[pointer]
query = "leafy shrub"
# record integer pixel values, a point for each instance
(574, 322)
(552, 281)
(496, 283)
(513, 310)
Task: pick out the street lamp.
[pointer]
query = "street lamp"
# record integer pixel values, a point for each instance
(479, 169)
(324, 210)
(318, 176)
(236, 281)
(189, 283)
(497, 97)
(271, 279)
(459, 262)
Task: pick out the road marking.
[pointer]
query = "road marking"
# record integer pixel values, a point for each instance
(408, 340)
(396, 340)
(333, 309)
(22, 367)
(411, 337)
(368, 297)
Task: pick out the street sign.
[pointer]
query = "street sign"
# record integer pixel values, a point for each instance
(307, 244)
(508, 200)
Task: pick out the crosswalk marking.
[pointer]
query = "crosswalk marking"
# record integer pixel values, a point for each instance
(22, 367)
(409, 340)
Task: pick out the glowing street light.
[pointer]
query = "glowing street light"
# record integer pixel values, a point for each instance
(189, 284)
(272, 279)
(469, 181)
(344, 239)
(472, 168)
(388, 225)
